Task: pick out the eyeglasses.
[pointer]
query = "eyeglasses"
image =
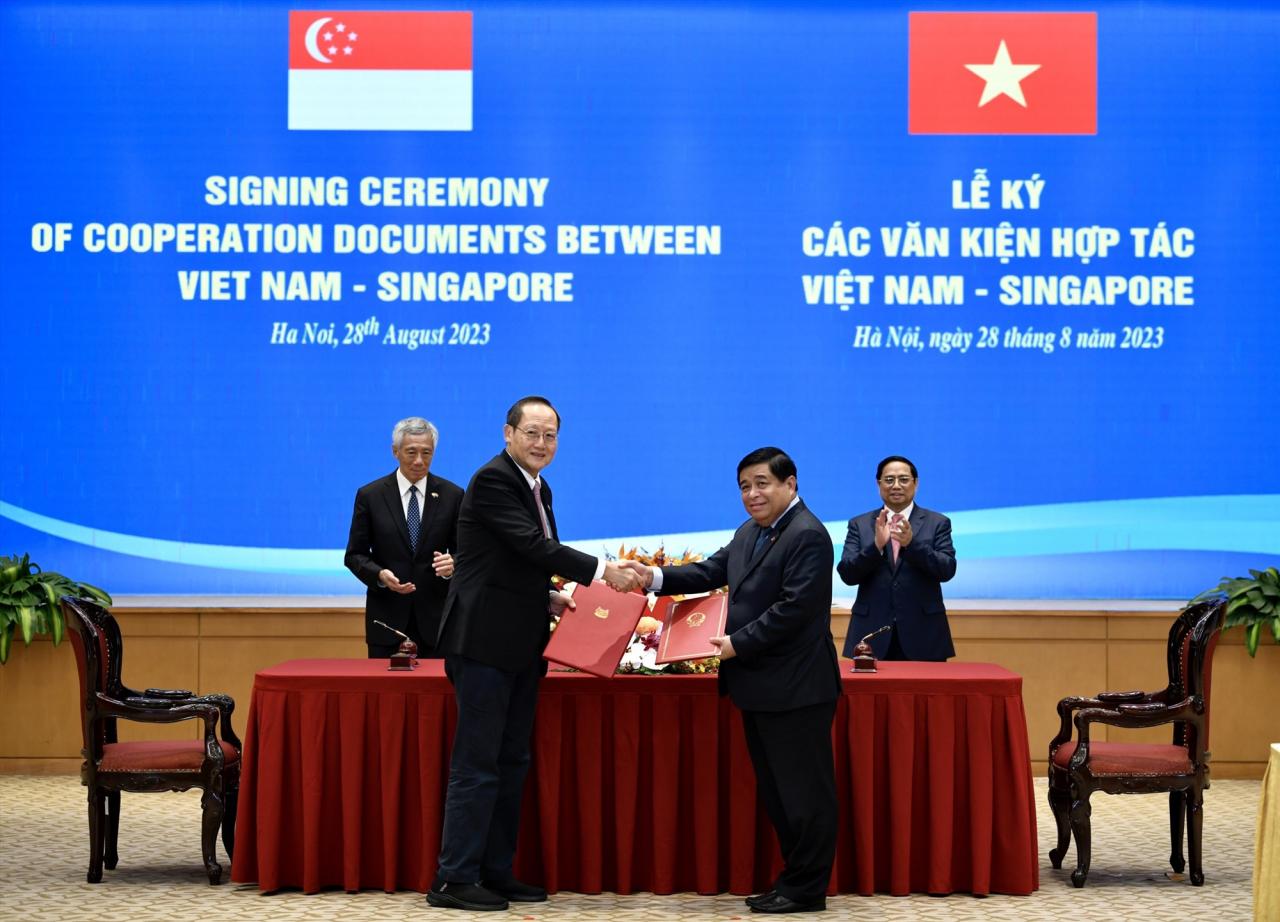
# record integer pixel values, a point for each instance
(901, 480)
(534, 436)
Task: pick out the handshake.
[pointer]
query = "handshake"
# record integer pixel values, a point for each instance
(626, 575)
(622, 575)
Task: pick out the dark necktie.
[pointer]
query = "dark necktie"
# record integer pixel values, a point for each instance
(762, 540)
(413, 517)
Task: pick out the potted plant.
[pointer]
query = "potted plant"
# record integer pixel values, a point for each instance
(1252, 601)
(29, 601)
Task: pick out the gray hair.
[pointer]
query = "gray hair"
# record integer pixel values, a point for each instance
(414, 425)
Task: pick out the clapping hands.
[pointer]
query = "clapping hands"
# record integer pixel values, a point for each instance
(882, 529)
(899, 531)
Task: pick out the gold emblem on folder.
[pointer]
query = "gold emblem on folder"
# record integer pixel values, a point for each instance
(602, 613)
(695, 619)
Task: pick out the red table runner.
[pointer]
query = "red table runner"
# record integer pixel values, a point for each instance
(638, 783)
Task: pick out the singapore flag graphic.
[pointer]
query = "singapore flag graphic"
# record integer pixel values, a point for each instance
(379, 71)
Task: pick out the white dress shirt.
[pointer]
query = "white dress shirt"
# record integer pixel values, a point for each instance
(404, 484)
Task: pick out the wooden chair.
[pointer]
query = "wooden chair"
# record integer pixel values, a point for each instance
(153, 765)
(1181, 768)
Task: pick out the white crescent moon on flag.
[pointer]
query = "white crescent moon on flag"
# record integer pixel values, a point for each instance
(310, 41)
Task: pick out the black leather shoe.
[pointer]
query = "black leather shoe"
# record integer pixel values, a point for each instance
(472, 897)
(754, 901)
(516, 891)
(777, 903)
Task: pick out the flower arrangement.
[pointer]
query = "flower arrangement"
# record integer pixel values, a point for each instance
(640, 657)
(641, 653)
(658, 558)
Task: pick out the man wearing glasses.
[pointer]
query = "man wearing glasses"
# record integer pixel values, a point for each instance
(492, 634)
(899, 556)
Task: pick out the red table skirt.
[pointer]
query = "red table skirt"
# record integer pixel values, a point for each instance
(638, 783)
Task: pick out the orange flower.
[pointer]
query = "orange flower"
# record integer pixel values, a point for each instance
(647, 625)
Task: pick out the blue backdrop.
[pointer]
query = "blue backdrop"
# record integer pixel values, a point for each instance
(155, 443)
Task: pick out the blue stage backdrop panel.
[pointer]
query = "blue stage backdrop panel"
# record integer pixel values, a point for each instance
(1030, 251)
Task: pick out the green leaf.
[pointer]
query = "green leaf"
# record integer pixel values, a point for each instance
(1251, 635)
(57, 625)
(1239, 604)
(54, 619)
(26, 622)
(1248, 616)
(1239, 586)
(97, 594)
(6, 639)
(1275, 627)
(11, 570)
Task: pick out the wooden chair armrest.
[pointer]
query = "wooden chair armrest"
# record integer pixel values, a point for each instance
(206, 711)
(226, 705)
(1065, 708)
(1144, 714)
(113, 707)
(1122, 697)
(1132, 717)
(151, 704)
(177, 698)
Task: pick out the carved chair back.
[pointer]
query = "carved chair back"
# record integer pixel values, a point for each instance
(95, 640)
(1192, 641)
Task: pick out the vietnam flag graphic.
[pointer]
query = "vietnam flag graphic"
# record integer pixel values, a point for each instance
(1003, 73)
(379, 71)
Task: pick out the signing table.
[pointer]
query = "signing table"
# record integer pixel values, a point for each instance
(638, 783)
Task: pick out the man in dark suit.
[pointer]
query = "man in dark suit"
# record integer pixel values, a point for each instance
(496, 623)
(402, 532)
(899, 556)
(778, 665)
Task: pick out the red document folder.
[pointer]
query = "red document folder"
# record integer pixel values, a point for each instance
(689, 626)
(593, 636)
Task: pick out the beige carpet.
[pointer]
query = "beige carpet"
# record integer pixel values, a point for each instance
(44, 854)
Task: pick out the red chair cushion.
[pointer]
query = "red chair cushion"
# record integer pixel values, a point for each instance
(160, 756)
(1130, 758)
